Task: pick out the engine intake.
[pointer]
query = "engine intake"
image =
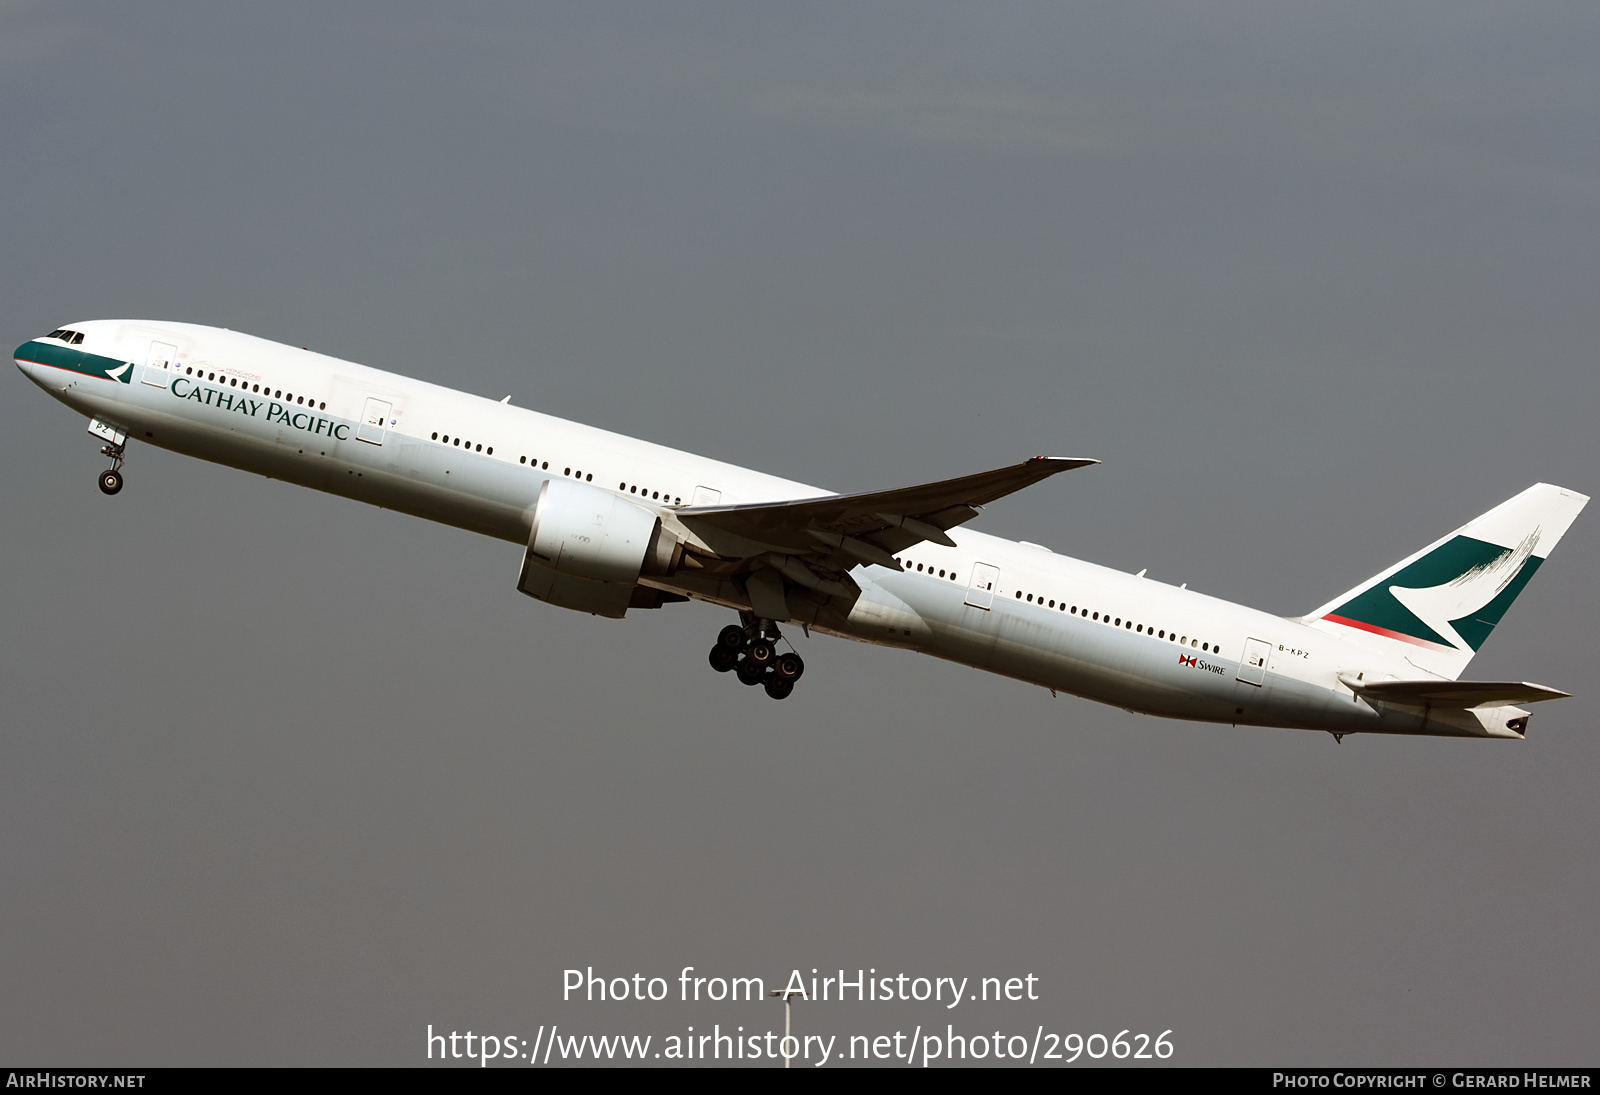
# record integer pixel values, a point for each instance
(588, 546)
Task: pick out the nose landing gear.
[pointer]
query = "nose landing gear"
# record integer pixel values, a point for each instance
(111, 478)
(751, 652)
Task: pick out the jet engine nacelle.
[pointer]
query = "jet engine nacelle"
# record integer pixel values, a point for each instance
(588, 546)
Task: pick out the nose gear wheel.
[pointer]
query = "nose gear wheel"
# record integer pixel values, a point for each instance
(111, 478)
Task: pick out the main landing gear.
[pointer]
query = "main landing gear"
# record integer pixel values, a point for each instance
(751, 652)
(111, 478)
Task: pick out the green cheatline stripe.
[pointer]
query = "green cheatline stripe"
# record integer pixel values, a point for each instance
(65, 357)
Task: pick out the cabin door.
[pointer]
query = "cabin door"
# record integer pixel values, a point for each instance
(374, 421)
(158, 364)
(1253, 666)
(980, 594)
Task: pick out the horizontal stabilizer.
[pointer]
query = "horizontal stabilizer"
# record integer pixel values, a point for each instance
(1462, 694)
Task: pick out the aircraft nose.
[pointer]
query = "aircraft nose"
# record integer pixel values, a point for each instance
(37, 373)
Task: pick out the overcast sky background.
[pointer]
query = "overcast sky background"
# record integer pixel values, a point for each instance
(284, 778)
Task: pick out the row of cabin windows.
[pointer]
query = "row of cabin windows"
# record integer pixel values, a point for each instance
(907, 564)
(460, 444)
(634, 488)
(71, 338)
(446, 439)
(646, 492)
(1126, 625)
(235, 382)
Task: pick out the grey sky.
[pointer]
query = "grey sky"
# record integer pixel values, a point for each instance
(284, 779)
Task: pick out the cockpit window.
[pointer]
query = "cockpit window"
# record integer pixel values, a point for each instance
(71, 338)
(77, 337)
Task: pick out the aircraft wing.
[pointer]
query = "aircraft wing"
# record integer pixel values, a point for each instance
(874, 525)
(1462, 694)
(768, 547)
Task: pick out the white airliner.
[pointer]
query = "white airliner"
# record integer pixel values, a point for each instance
(608, 523)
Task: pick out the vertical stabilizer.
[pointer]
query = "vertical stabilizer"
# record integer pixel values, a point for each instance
(1437, 607)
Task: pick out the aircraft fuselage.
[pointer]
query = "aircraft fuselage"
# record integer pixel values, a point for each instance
(1011, 608)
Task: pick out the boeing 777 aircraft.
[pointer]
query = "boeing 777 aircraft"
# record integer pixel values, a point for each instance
(608, 523)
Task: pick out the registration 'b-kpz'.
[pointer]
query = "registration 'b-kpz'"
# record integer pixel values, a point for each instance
(1194, 662)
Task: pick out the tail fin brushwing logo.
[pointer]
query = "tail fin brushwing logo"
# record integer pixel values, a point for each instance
(1451, 597)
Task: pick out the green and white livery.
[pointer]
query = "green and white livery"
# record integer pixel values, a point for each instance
(607, 524)
(1440, 604)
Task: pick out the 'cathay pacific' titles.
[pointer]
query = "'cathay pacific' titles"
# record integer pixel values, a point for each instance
(273, 412)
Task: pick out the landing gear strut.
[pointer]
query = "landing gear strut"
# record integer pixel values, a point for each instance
(750, 650)
(111, 479)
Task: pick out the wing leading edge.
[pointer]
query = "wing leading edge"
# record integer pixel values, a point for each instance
(883, 522)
